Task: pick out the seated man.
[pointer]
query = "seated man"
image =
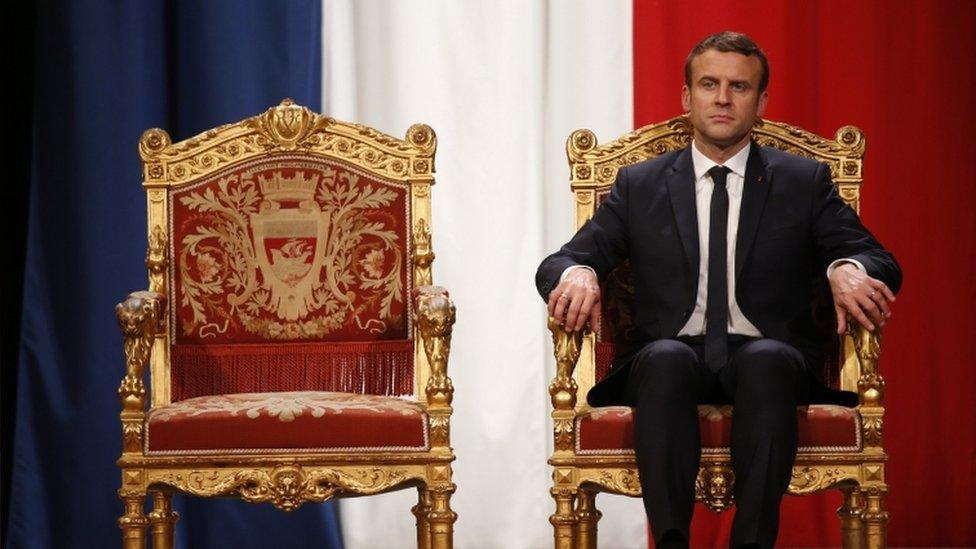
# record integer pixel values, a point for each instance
(725, 238)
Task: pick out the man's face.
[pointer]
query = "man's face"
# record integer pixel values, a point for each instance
(723, 101)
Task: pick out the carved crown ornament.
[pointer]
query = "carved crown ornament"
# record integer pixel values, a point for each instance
(287, 128)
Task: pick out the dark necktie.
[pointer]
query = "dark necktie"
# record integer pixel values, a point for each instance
(717, 304)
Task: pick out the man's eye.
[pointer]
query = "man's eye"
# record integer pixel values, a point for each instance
(708, 85)
(738, 87)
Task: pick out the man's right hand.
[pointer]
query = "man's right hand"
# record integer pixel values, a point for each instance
(576, 300)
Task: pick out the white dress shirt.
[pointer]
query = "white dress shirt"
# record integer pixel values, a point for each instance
(738, 323)
(734, 181)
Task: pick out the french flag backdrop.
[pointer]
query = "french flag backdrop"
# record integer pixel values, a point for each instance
(503, 83)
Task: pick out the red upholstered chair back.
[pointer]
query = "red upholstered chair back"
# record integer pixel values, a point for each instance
(288, 245)
(593, 170)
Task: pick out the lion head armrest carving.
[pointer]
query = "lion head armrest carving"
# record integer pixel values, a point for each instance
(435, 314)
(140, 318)
(566, 347)
(870, 383)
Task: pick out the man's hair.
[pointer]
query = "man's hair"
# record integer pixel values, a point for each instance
(727, 41)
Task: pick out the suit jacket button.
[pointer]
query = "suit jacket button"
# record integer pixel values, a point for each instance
(686, 314)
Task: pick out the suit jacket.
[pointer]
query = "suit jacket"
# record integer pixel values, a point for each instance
(792, 224)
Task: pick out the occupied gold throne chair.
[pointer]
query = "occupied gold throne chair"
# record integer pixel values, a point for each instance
(839, 448)
(296, 347)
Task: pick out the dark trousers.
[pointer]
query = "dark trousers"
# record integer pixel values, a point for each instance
(763, 380)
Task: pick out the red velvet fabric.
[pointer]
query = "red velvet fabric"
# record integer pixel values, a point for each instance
(268, 422)
(902, 71)
(822, 428)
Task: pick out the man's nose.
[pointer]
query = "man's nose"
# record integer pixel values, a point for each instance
(723, 95)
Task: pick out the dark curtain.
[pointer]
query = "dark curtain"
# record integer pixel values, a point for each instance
(103, 72)
(904, 72)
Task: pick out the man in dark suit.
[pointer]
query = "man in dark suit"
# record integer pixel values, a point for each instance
(725, 239)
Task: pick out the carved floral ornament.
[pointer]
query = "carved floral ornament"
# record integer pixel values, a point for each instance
(845, 152)
(285, 406)
(621, 481)
(715, 483)
(287, 127)
(286, 487)
(807, 480)
(286, 123)
(440, 429)
(563, 433)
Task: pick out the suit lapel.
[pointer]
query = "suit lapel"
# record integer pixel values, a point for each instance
(681, 188)
(754, 192)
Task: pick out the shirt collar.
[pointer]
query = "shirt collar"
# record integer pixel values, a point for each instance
(737, 163)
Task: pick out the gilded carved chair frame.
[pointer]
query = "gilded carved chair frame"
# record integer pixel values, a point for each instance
(285, 480)
(578, 478)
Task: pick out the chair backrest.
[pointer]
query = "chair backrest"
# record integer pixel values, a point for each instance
(593, 169)
(288, 245)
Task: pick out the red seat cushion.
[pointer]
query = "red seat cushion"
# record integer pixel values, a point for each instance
(822, 428)
(306, 421)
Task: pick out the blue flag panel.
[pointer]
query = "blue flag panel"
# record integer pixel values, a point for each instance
(104, 72)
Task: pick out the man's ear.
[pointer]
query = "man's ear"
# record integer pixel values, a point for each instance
(685, 98)
(763, 99)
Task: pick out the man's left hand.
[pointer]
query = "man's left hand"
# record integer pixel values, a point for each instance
(866, 299)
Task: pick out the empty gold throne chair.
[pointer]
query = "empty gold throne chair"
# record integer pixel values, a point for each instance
(297, 350)
(839, 448)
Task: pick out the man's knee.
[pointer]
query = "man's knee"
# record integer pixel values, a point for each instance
(667, 352)
(666, 364)
(765, 367)
(767, 357)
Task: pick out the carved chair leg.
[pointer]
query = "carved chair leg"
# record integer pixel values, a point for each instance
(133, 523)
(875, 517)
(852, 531)
(421, 510)
(162, 520)
(587, 515)
(441, 517)
(564, 519)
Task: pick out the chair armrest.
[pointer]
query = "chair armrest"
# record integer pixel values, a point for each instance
(435, 315)
(562, 390)
(870, 383)
(140, 317)
(867, 345)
